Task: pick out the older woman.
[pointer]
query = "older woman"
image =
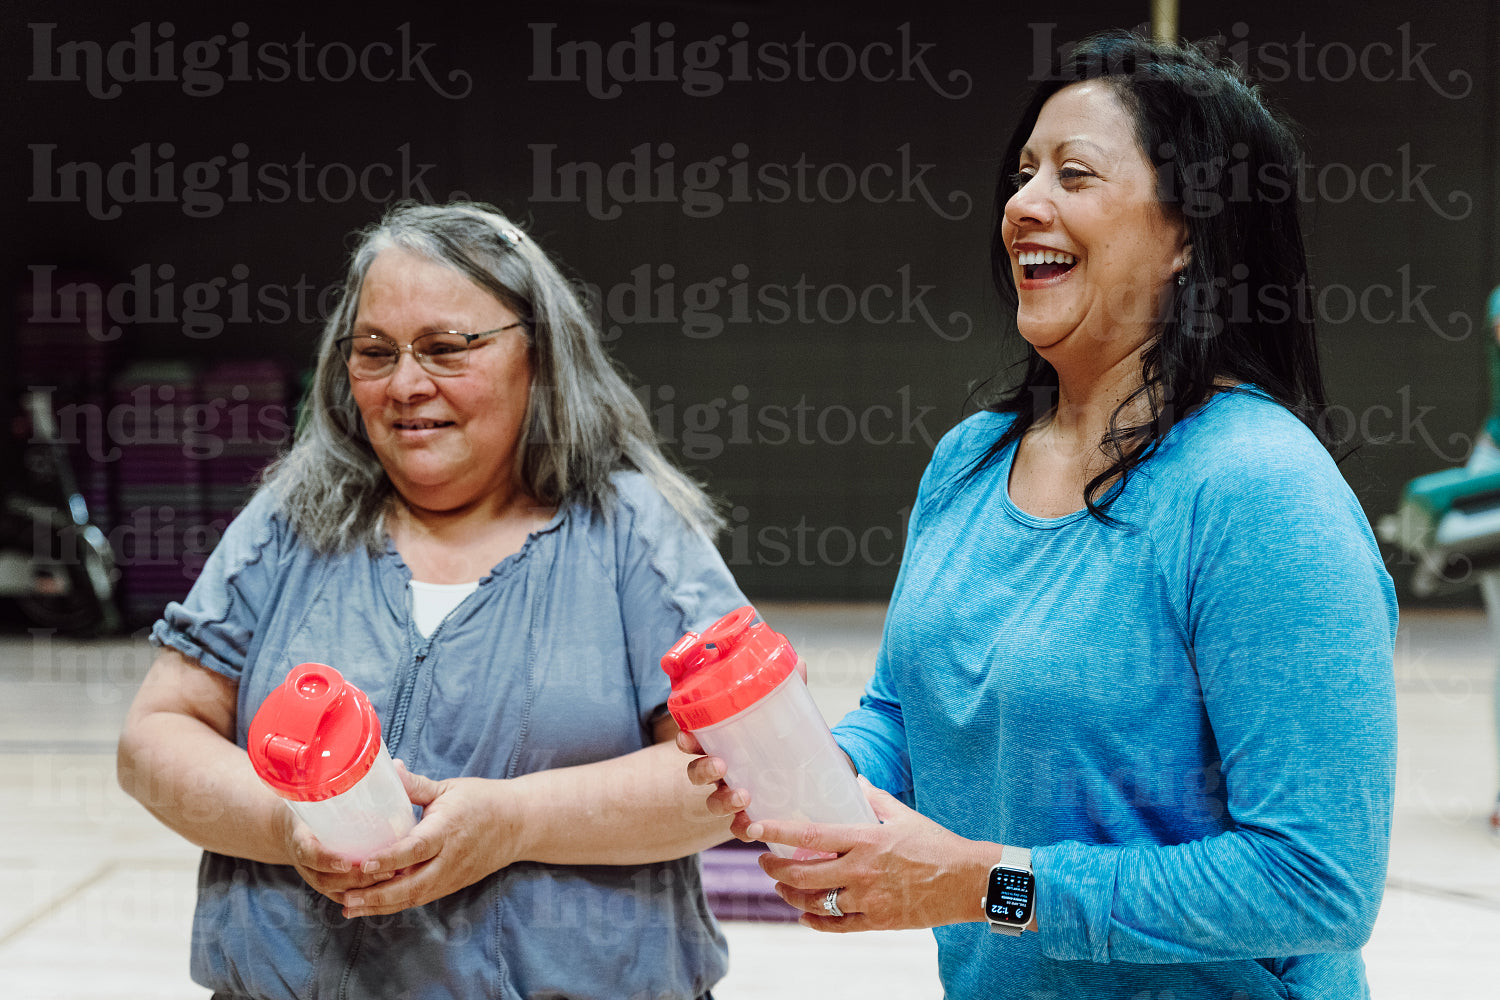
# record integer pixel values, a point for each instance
(1136, 677)
(476, 527)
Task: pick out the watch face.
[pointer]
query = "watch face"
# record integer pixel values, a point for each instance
(1009, 900)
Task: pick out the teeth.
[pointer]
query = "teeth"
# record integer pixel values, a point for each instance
(1027, 257)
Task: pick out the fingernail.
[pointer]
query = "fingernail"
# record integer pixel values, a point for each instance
(350, 902)
(370, 867)
(737, 800)
(754, 830)
(340, 865)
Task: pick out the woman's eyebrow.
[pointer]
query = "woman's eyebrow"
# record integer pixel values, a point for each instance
(1068, 144)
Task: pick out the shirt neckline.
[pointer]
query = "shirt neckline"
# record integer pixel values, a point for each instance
(442, 588)
(500, 568)
(1047, 523)
(1021, 516)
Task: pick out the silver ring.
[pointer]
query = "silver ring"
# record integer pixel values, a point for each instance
(831, 903)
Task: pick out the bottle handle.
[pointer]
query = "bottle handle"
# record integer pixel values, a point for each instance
(315, 689)
(694, 651)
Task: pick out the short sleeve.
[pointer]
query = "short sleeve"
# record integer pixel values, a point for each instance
(671, 581)
(215, 624)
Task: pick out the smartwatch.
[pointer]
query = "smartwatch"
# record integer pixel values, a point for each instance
(1010, 896)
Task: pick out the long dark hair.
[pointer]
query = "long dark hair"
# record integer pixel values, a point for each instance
(1226, 165)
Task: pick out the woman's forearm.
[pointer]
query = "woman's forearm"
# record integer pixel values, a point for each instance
(634, 809)
(203, 787)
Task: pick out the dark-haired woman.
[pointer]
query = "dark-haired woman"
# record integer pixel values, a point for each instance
(1142, 629)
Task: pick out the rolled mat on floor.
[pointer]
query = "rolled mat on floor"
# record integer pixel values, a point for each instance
(736, 887)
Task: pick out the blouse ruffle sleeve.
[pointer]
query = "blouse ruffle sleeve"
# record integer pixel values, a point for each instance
(215, 623)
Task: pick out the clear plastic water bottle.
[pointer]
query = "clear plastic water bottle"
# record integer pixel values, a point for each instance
(736, 687)
(316, 741)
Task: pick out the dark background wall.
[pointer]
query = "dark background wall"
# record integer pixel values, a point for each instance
(783, 213)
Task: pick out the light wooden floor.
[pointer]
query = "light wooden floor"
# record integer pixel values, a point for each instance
(96, 897)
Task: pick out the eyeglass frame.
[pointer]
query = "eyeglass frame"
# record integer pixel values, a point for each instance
(411, 348)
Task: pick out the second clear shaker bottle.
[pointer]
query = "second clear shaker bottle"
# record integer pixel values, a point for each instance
(736, 688)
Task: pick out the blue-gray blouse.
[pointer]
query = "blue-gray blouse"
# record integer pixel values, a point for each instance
(553, 661)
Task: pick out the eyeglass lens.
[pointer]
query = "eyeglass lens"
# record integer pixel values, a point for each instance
(438, 353)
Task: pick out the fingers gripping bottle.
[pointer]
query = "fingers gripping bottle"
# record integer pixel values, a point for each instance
(316, 741)
(736, 688)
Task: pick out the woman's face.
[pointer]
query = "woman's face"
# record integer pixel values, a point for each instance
(446, 442)
(1087, 199)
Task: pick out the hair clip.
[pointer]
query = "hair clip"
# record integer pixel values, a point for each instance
(511, 235)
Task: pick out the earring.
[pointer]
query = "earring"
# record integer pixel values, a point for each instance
(1181, 278)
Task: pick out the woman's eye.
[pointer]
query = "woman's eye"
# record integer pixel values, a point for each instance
(1072, 174)
(1019, 179)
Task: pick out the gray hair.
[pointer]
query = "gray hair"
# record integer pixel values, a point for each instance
(582, 423)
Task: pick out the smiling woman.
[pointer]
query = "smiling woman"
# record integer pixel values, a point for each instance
(475, 527)
(1133, 710)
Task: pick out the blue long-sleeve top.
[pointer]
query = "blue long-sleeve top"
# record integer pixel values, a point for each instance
(1189, 717)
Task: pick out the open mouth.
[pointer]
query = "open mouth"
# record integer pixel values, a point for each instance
(420, 425)
(1039, 265)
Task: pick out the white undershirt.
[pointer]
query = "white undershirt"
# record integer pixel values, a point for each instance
(431, 602)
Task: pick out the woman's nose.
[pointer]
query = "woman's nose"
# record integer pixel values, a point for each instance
(1031, 205)
(409, 379)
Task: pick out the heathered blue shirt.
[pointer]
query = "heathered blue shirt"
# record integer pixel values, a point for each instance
(1190, 718)
(553, 661)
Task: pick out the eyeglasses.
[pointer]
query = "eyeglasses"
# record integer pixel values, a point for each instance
(444, 353)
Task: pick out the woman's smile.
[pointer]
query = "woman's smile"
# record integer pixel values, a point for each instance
(1042, 266)
(419, 427)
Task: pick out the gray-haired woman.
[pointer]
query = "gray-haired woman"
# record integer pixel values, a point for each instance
(485, 538)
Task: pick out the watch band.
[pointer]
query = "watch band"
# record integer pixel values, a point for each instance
(1010, 857)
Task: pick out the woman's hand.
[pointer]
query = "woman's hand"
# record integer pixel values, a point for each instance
(458, 842)
(709, 772)
(331, 874)
(907, 872)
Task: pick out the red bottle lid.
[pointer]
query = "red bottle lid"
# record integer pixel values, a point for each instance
(315, 736)
(724, 671)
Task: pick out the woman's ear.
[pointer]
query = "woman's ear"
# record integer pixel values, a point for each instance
(1183, 259)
